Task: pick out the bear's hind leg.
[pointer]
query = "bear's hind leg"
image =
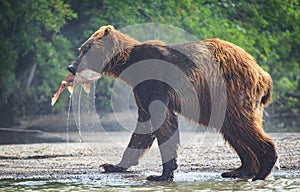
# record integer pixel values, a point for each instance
(266, 155)
(250, 165)
(261, 145)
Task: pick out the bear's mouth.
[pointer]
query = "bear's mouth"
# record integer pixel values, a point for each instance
(83, 78)
(86, 76)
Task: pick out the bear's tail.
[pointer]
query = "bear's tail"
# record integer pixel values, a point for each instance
(266, 99)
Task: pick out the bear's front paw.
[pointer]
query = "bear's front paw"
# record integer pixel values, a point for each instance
(112, 168)
(164, 177)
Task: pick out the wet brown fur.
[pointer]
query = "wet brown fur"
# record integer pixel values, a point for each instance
(248, 89)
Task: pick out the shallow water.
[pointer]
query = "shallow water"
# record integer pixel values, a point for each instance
(192, 181)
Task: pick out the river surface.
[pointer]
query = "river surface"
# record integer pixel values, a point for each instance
(192, 181)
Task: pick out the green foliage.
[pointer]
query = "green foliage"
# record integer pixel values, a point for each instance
(39, 38)
(33, 51)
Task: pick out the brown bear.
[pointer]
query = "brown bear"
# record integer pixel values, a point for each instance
(230, 92)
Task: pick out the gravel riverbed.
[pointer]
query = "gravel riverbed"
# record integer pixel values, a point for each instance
(198, 152)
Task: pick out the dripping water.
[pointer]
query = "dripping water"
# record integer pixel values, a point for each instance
(92, 108)
(277, 164)
(68, 118)
(94, 103)
(79, 124)
(79, 120)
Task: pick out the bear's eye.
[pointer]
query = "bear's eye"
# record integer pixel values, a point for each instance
(84, 49)
(86, 46)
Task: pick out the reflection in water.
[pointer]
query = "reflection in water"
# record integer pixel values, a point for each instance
(200, 181)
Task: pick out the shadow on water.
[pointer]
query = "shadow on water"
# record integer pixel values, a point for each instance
(21, 136)
(43, 129)
(200, 181)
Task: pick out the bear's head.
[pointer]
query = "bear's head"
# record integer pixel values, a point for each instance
(105, 48)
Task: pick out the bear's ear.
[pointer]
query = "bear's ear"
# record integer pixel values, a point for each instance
(108, 29)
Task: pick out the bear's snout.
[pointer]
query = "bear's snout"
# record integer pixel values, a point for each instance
(72, 69)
